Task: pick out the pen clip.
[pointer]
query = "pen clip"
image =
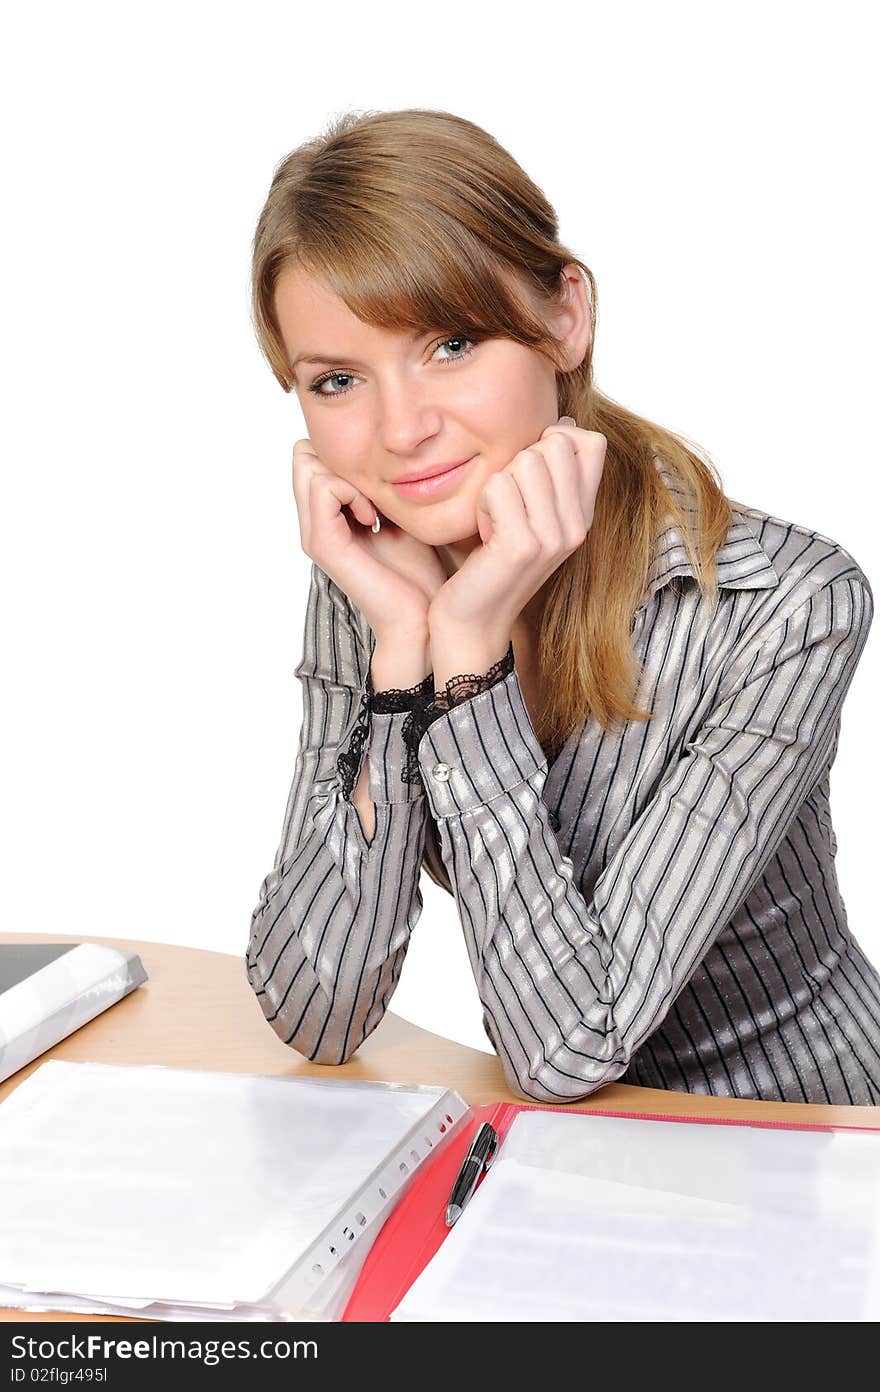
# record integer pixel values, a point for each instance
(492, 1151)
(483, 1146)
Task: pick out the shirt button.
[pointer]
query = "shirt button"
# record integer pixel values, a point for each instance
(441, 772)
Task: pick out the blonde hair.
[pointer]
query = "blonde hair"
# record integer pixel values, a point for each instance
(419, 218)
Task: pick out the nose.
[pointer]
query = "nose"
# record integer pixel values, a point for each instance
(408, 416)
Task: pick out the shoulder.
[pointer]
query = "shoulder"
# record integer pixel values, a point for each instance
(808, 564)
(820, 595)
(801, 556)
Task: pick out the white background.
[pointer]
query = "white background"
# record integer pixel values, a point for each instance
(711, 164)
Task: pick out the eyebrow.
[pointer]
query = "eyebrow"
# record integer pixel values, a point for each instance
(331, 361)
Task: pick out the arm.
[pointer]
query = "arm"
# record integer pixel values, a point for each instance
(330, 931)
(571, 987)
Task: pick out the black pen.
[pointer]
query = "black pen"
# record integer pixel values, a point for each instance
(478, 1159)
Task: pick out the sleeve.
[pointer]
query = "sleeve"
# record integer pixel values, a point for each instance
(428, 705)
(330, 932)
(571, 988)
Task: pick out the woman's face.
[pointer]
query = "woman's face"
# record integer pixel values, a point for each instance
(382, 403)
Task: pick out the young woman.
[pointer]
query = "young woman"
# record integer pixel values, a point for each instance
(598, 701)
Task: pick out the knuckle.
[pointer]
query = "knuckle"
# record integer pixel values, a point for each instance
(528, 547)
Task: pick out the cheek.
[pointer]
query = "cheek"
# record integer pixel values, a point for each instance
(516, 403)
(339, 444)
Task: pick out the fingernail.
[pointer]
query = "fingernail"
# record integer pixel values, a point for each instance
(376, 523)
(567, 420)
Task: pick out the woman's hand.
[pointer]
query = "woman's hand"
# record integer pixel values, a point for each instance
(389, 575)
(531, 516)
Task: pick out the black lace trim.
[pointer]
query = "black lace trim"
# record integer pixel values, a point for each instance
(401, 698)
(436, 703)
(423, 705)
(378, 703)
(349, 761)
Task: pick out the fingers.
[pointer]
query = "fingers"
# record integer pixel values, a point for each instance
(537, 472)
(547, 490)
(588, 448)
(330, 493)
(501, 516)
(321, 495)
(304, 460)
(536, 496)
(566, 475)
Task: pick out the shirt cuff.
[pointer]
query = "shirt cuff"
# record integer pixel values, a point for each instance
(387, 756)
(376, 732)
(479, 749)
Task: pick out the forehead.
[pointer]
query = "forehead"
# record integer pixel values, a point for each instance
(299, 295)
(313, 319)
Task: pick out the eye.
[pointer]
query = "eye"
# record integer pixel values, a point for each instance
(459, 338)
(315, 388)
(339, 375)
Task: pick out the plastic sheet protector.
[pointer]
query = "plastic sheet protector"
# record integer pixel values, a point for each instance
(177, 1193)
(606, 1218)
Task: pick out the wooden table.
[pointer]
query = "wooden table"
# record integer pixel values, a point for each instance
(197, 1010)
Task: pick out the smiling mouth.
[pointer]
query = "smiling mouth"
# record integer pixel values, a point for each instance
(433, 472)
(425, 487)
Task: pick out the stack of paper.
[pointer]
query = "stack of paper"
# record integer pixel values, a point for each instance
(600, 1218)
(178, 1194)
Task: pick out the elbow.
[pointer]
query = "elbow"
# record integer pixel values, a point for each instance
(312, 1040)
(559, 1091)
(304, 1027)
(570, 1071)
(326, 1056)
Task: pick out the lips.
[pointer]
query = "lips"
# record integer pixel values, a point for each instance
(432, 472)
(436, 483)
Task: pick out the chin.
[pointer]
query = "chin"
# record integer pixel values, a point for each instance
(445, 532)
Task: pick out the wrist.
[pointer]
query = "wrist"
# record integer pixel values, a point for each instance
(416, 633)
(456, 652)
(400, 662)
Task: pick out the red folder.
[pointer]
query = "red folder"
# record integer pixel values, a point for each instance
(415, 1230)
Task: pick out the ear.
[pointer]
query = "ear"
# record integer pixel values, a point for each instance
(574, 322)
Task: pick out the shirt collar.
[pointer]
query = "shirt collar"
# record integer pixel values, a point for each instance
(742, 562)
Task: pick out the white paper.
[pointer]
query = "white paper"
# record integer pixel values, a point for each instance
(599, 1218)
(187, 1187)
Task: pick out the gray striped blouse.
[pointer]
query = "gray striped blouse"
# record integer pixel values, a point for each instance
(657, 905)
